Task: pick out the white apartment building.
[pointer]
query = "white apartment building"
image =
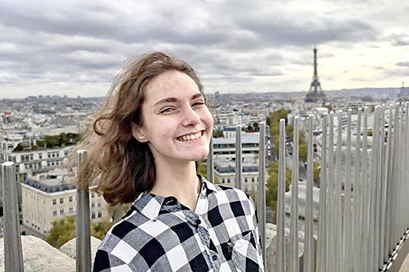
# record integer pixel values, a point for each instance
(226, 147)
(31, 161)
(45, 198)
(225, 172)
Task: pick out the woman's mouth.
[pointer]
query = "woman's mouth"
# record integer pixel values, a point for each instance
(190, 137)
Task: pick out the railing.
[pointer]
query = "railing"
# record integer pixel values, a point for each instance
(363, 219)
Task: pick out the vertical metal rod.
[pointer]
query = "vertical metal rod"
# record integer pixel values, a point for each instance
(331, 264)
(389, 195)
(372, 190)
(393, 241)
(210, 163)
(309, 239)
(281, 201)
(294, 197)
(405, 191)
(83, 244)
(381, 188)
(347, 229)
(365, 184)
(261, 196)
(338, 196)
(239, 168)
(400, 180)
(322, 235)
(13, 254)
(357, 202)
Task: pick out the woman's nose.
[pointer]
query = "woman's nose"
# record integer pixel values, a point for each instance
(190, 117)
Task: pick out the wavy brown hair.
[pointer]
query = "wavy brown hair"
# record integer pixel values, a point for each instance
(116, 162)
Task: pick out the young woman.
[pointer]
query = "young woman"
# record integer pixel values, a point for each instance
(145, 143)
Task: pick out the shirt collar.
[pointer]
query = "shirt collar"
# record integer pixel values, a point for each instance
(150, 205)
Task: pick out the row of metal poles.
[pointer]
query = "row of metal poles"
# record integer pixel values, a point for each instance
(363, 219)
(362, 213)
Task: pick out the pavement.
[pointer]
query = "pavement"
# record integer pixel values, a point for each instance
(405, 265)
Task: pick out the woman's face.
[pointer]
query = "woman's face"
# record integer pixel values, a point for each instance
(177, 125)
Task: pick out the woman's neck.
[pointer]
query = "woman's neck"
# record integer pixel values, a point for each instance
(179, 180)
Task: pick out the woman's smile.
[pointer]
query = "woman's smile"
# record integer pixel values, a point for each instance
(190, 137)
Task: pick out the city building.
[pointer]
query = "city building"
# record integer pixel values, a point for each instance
(46, 198)
(225, 172)
(30, 160)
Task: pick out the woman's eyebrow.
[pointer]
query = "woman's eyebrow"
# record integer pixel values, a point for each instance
(174, 99)
(165, 100)
(197, 96)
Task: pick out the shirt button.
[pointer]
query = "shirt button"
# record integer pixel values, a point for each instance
(214, 257)
(198, 221)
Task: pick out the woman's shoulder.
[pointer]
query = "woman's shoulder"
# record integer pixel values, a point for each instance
(120, 230)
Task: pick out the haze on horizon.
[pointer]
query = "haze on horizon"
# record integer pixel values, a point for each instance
(76, 47)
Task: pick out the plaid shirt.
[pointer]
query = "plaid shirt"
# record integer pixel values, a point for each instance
(160, 234)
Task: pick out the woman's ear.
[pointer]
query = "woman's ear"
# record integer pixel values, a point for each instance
(138, 134)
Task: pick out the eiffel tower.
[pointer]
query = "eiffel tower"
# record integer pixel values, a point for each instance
(315, 94)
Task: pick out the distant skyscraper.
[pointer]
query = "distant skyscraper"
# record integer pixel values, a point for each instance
(315, 94)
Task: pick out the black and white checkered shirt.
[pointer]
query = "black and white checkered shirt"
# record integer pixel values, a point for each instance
(160, 234)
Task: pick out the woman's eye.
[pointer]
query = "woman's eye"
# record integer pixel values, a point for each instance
(198, 103)
(165, 110)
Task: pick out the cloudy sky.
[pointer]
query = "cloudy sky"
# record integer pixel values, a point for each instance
(75, 47)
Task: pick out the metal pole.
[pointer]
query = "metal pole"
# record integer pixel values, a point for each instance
(294, 197)
(83, 244)
(347, 229)
(381, 189)
(331, 190)
(392, 240)
(358, 200)
(261, 205)
(280, 267)
(389, 196)
(210, 163)
(239, 168)
(365, 184)
(338, 197)
(322, 235)
(13, 254)
(331, 264)
(309, 239)
(400, 212)
(372, 189)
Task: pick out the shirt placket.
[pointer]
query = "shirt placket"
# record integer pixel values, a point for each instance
(195, 220)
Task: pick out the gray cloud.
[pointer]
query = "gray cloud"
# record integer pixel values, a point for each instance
(233, 44)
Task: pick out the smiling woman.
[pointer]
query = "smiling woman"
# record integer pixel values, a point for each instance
(143, 148)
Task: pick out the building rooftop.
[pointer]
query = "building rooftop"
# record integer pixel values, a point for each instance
(223, 165)
(52, 182)
(245, 138)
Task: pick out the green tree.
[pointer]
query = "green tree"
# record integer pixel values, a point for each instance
(19, 147)
(256, 126)
(63, 230)
(218, 133)
(201, 169)
(317, 172)
(272, 186)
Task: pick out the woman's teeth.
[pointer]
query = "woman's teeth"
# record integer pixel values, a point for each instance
(190, 137)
